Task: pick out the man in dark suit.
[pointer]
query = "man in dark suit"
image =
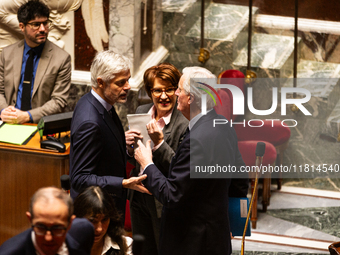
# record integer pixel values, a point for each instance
(98, 149)
(195, 213)
(27, 94)
(54, 228)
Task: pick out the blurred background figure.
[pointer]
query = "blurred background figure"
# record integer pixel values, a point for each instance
(9, 25)
(98, 207)
(54, 227)
(35, 74)
(166, 130)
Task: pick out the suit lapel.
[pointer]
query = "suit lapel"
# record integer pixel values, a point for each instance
(116, 131)
(168, 128)
(30, 250)
(44, 61)
(110, 123)
(186, 139)
(115, 126)
(17, 58)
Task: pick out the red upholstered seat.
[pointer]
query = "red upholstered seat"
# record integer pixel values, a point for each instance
(127, 223)
(247, 136)
(247, 150)
(271, 131)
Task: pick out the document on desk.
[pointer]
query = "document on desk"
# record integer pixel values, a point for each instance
(138, 122)
(16, 133)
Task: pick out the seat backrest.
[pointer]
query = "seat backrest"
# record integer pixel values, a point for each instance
(232, 77)
(334, 248)
(224, 108)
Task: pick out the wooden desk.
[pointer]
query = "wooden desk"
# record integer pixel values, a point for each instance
(23, 170)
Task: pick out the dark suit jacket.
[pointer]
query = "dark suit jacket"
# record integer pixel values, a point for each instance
(195, 212)
(173, 136)
(98, 150)
(52, 81)
(79, 240)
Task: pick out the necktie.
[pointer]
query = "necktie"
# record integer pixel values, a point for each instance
(110, 111)
(186, 132)
(27, 84)
(117, 121)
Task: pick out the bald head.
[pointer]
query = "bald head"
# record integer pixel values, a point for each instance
(48, 196)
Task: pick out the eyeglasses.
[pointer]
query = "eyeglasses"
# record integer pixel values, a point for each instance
(168, 91)
(41, 230)
(36, 25)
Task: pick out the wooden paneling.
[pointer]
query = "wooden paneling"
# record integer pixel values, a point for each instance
(23, 170)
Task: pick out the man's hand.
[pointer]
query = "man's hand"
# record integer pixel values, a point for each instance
(8, 114)
(14, 116)
(135, 183)
(143, 154)
(155, 133)
(130, 138)
(22, 116)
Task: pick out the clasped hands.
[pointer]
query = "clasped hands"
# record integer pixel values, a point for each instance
(14, 116)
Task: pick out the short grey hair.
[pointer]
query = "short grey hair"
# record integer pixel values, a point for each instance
(197, 74)
(106, 65)
(48, 194)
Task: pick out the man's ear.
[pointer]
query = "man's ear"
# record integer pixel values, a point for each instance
(71, 219)
(29, 216)
(22, 26)
(191, 98)
(100, 82)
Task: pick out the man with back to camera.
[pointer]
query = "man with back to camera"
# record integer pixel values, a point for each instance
(54, 228)
(35, 74)
(98, 149)
(195, 211)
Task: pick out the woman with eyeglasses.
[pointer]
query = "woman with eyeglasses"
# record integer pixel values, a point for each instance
(96, 205)
(166, 130)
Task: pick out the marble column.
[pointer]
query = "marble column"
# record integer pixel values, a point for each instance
(125, 28)
(125, 38)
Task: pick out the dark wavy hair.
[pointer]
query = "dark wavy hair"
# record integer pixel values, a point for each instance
(93, 201)
(31, 10)
(165, 71)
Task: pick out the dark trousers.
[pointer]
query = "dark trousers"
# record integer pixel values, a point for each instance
(145, 221)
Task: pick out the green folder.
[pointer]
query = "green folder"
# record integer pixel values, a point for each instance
(16, 133)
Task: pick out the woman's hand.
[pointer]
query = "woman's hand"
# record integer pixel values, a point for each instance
(155, 133)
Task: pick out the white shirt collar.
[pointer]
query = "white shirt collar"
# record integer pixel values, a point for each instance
(108, 243)
(105, 104)
(166, 118)
(63, 250)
